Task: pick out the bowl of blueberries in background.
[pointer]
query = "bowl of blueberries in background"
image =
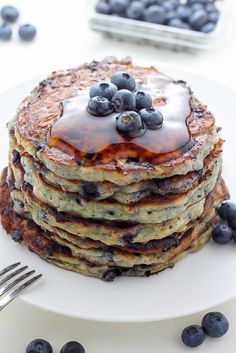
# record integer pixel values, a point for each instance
(177, 24)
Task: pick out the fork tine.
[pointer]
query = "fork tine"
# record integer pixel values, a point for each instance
(13, 274)
(12, 284)
(13, 294)
(9, 268)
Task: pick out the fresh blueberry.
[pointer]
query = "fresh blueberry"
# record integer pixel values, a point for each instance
(5, 32)
(130, 123)
(72, 347)
(152, 118)
(124, 100)
(193, 336)
(170, 15)
(27, 32)
(103, 89)
(123, 80)
(213, 16)
(155, 14)
(197, 6)
(184, 12)
(222, 234)
(207, 28)
(9, 13)
(170, 5)
(227, 210)
(99, 106)
(178, 23)
(143, 100)
(198, 19)
(135, 10)
(104, 8)
(210, 7)
(119, 7)
(215, 324)
(39, 346)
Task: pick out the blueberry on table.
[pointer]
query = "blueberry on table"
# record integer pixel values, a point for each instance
(119, 7)
(103, 89)
(193, 336)
(103, 7)
(170, 5)
(143, 100)
(135, 10)
(124, 100)
(207, 28)
(155, 14)
(72, 347)
(222, 234)
(227, 210)
(39, 346)
(99, 106)
(27, 32)
(198, 19)
(215, 324)
(123, 80)
(9, 13)
(130, 123)
(5, 32)
(152, 118)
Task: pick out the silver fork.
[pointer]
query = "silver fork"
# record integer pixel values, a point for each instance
(11, 285)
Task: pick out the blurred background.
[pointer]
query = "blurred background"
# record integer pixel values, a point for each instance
(64, 39)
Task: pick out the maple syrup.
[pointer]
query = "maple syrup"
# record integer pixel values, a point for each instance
(95, 140)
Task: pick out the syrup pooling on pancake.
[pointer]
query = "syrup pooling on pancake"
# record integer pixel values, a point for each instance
(96, 138)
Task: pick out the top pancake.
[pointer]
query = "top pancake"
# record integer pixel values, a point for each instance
(39, 111)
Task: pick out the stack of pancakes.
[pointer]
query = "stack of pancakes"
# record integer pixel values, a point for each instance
(123, 217)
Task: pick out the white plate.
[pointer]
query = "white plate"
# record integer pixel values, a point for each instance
(197, 282)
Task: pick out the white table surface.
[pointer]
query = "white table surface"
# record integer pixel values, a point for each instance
(64, 40)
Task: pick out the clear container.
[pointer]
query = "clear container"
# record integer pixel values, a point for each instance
(161, 35)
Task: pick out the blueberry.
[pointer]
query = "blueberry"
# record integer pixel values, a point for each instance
(153, 118)
(197, 6)
(119, 7)
(124, 100)
(103, 89)
(143, 100)
(170, 15)
(103, 7)
(178, 23)
(232, 220)
(5, 32)
(39, 346)
(123, 80)
(207, 28)
(222, 234)
(130, 123)
(99, 106)
(198, 19)
(193, 336)
(227, 210)
(135, 10)
(213, 16)
(27, 32)
(215, 324)
(170, 5)
(155, 14)
(72, 347)
(210, 7)
(9, 13)
(184, 12)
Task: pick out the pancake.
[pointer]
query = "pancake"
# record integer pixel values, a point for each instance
(24, 230)
(89, 198)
